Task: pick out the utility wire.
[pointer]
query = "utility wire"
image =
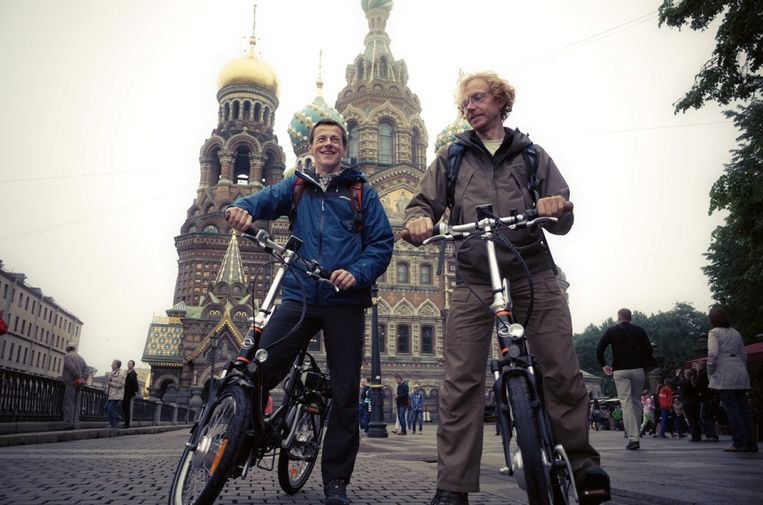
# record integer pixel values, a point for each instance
(628, 130)
(586, 40)
(74, 176)
(83, 219)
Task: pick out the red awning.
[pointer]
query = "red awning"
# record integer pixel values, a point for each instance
(754, 355)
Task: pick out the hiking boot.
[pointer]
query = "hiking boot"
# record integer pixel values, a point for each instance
(444, 497)
(336, 492)
(633, 446)
(593, 485)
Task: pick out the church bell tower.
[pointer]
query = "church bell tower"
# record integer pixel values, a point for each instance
(240, 157)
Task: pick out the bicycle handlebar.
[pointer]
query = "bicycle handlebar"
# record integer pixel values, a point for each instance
(313, 269)
(525, 219)
(528, 218)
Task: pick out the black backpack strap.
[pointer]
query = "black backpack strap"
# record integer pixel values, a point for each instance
(530, 154)
(455, 155)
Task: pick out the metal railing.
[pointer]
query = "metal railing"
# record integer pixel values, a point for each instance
(28, 399)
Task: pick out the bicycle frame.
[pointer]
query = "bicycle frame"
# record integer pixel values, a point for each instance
(516, 357)
(252, 380)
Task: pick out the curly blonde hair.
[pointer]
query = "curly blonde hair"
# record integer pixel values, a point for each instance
(500, 89)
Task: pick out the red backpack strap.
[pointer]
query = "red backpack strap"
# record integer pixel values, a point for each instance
(356, 199)
(299, 188)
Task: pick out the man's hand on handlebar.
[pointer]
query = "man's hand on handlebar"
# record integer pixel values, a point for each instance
(553, 206)
(419, 229)
(239, 219)
(342, 279)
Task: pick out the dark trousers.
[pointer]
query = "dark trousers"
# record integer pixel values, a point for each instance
(401, 417)
(343, 328)
(126, 402)
(416, 417)
(740, 419)
(691, 410)
(112, 412)
(706, 417)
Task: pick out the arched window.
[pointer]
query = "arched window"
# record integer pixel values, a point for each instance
(236, 110)
(402, 273)
(385, 143)
(241, 166)
(360, 69)
(257, 111)
(403, 339)
(210, 228)
(227, 111)
(215, 167)
(383, 68)
(354, 147)
(427, 340)
(425, 275)
(247, 109)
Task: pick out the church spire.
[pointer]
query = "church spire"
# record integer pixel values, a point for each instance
(231, 270)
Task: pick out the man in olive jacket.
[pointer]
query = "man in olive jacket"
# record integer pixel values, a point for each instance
(493, 170)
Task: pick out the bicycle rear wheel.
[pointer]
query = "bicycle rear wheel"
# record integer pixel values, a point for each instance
(203, 470)
(531, 459)
(296, 462)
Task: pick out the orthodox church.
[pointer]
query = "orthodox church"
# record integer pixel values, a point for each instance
(221, 276)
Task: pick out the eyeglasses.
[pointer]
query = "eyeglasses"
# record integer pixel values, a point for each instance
(476, 98)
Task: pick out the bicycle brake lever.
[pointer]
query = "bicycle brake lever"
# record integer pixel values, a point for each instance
(336, 288)
(538, 221)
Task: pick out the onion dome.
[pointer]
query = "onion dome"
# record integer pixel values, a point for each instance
(303, 121)
(369, 5)
(249, 70)
(448, 134)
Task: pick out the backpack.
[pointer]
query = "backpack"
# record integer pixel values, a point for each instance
(456, 153)
(355, 189)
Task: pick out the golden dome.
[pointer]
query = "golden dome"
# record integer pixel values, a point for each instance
(249, 70)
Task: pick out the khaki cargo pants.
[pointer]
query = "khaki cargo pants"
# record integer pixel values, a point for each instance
(470, 333)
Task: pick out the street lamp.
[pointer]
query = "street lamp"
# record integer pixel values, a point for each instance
(377, 428)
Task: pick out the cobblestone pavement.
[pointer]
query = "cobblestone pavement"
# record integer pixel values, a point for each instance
(400, 470)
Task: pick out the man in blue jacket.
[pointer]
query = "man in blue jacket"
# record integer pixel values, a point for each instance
(356, 254)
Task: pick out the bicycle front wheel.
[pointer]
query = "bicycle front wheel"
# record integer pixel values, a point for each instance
(532, 464)
(203, 470)
(296, 462)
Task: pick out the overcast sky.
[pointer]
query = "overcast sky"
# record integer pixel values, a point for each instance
(105, 106)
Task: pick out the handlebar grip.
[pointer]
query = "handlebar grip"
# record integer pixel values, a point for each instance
(568, 206)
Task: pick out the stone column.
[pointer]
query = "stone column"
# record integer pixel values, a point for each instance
(226, 160)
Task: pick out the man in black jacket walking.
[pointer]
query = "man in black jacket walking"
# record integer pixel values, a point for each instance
(631, 350)
(131, 389)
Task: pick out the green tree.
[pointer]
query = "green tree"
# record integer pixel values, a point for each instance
(733, 74)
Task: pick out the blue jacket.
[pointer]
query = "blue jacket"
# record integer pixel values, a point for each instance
(324, 222)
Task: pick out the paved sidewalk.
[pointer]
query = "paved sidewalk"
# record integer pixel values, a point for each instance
(399, 470)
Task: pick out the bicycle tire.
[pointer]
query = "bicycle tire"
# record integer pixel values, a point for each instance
(296, 462)
(525, 418)
(203, 471)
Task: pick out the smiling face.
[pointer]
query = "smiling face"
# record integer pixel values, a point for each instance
(479, 107)
(327, 147)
